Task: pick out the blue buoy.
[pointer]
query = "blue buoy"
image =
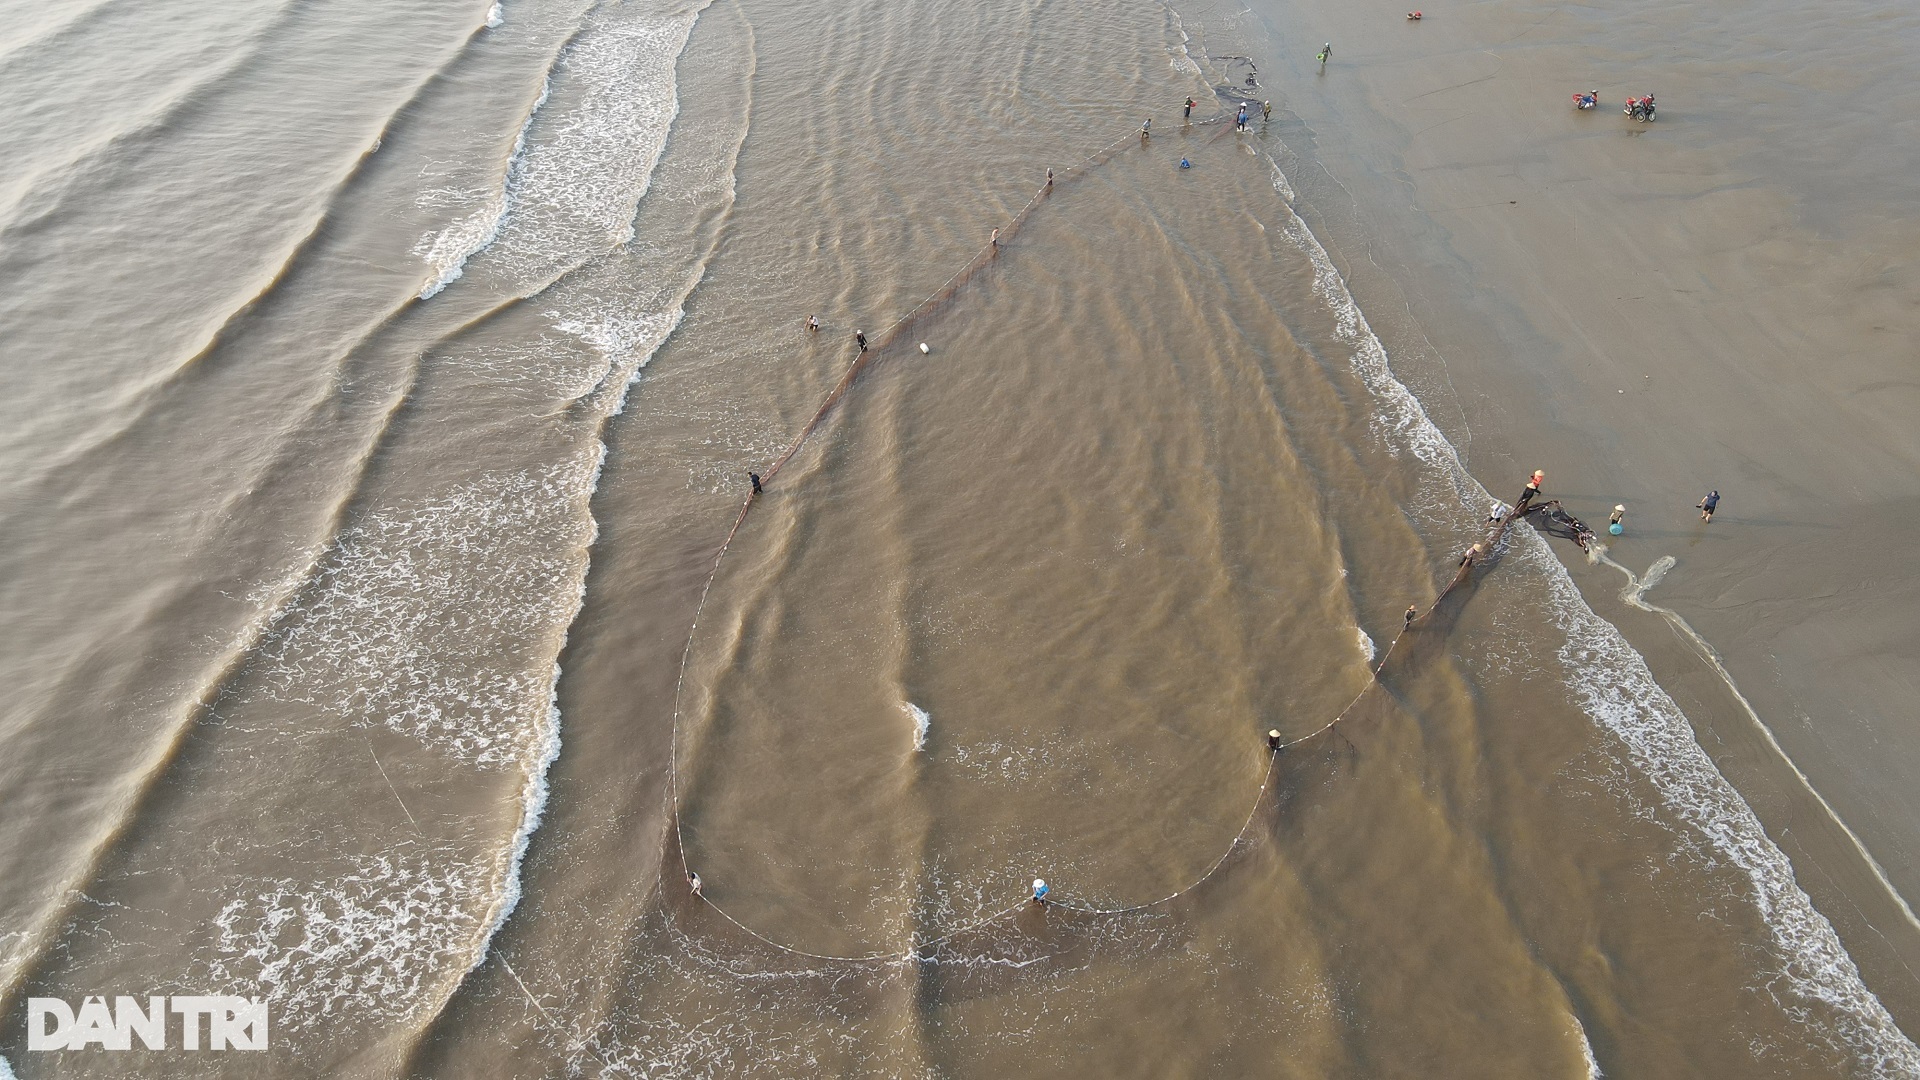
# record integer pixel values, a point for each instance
(1185, 164)
(1615, 529)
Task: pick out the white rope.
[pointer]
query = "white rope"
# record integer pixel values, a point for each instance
(861, 360)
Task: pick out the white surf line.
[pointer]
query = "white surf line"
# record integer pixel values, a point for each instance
(1586, 1048)
(1635, 595)
(535, 789)
(1593, 1063)
(446, 252)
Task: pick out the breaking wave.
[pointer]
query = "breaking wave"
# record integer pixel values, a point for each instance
(581, 161)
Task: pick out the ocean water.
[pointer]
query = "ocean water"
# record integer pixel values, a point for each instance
(378, 644)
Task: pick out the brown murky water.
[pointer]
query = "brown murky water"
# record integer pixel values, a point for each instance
(356, 532)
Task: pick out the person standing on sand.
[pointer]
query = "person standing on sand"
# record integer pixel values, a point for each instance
(1707, 505)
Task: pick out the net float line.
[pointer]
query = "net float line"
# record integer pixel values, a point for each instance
(916, 950)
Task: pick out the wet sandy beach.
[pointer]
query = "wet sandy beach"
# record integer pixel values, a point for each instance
(1650, 311)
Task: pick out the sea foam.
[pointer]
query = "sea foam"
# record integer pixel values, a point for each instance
(447, 251)
(580, 164)
(369, 941)
(922, 720)
(1586, 1052)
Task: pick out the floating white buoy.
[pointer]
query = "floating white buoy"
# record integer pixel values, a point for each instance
(923, 347)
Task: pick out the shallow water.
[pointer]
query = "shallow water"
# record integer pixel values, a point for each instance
(352, 583)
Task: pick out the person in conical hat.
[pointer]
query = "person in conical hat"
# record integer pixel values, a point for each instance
(1533, 486)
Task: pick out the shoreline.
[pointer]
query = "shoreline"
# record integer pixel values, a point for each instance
(1453, 221)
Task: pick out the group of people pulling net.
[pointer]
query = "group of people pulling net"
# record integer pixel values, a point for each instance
(1042, 897)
